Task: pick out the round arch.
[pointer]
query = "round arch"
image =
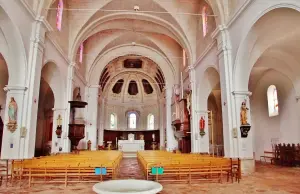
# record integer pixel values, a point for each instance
(12, 49)
(243, 62)
(101, 61)
(52, 75)
(88, 31)
(119, 76)
(210, 81)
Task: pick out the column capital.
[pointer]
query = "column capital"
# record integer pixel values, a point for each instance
(73, 65)
(202, 111)
(59, 109)
(190, 68)
(8, 88)
(94, 86)
(219, 29)
(242, 93)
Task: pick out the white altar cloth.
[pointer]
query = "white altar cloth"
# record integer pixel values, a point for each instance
(130, 147)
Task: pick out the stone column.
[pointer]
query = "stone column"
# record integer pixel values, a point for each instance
(12, 141)
(161, 122)
(228, 110)
(202, 140)
(231, 103)
(57, 143)
(35, 60)
(66, 143)
(171, 141)
(92, 115)
(245, 145)
(102, 121)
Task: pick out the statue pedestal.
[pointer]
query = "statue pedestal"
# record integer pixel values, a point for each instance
(244, 130)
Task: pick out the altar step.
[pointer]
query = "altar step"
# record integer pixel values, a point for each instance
(129, 154)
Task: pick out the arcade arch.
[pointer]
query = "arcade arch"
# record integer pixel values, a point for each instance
(51, 86)
(269, 57)
(3, 82)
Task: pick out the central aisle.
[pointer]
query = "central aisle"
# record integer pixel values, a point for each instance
(130, 169)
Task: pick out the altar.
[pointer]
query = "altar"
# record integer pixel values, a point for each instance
(130, 147)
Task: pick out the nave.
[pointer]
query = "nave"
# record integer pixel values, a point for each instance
(267, 179)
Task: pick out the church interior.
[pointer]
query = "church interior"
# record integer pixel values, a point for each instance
(177, 96)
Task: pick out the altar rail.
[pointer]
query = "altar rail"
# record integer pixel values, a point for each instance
(87, 166)
(287, 154)
(190, 168)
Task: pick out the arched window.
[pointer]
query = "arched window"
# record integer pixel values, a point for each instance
(113, 121)
(272, 101)
(151, 121)
(81, 53)
(204, 21)
(59, 14)
(183, 57)
(132, 121)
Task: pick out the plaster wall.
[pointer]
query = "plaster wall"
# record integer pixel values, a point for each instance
(240, 26)
(60, 36)
(3, 83)
(203, 42)
(285, 126)
(120, 111)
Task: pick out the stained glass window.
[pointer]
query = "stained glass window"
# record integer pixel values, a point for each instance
(59, 15)
(81, 53)
(132, 121)
(151, 121)
(113, 121)
(204, 21)
(273, 106)
(183, 57)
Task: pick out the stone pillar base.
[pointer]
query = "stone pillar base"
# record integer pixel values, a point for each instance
(247, 166)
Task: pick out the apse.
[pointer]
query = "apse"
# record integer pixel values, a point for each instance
(131, 87)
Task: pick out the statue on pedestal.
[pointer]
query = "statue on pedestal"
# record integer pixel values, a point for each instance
(245, 126)
(12, 115)
(244, 117)
(188, 100)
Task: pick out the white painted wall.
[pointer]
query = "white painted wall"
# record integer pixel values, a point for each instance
(120, 111)
(285, 126)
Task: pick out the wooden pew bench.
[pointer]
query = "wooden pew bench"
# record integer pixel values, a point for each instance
(187, 167)
(68, 168)
(268, 155)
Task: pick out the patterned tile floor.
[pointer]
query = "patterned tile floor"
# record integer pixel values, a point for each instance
(267, 179)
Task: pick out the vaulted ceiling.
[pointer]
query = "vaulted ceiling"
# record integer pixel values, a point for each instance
(163, 28)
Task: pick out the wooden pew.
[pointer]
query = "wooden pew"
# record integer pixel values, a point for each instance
(68, 168)
(4, 174)
(187, 167)
(268, 155)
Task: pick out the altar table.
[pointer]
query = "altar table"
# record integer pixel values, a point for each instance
(130, 147)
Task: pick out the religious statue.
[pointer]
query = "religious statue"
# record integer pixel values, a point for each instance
(12, 115)
(141, 137)
(188, 100)
(202, 126)
(244, 110)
